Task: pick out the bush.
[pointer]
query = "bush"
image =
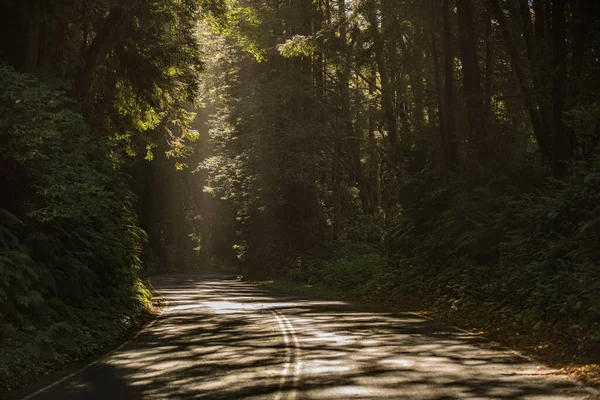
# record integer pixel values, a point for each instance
(513, 252)
(69, 242)
(552, 259)
(352, 273)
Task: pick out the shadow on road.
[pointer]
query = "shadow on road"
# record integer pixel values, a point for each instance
(221, 339)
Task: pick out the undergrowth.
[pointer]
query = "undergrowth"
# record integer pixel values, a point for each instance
(69, 241)
(520, 258)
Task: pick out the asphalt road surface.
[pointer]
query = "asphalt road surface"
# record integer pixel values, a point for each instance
(222, 339)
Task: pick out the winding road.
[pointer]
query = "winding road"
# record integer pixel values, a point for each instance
(222, 339)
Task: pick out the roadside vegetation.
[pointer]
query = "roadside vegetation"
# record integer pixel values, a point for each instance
(68, 236)
(436, 156)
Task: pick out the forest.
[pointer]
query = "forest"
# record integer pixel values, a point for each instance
(438, 155)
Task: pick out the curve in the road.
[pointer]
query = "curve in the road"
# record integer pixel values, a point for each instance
(223, 339)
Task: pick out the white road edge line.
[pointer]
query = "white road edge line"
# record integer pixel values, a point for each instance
(107, 355)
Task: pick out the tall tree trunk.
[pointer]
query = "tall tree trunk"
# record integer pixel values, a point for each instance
(387, 94)
(449, 109)
(579, 42)
(417, 77)
(541, 135)
(389, 33)
(318, 59)
(374, 159)
(563, 143)
(539, 61)
(472, 80)
(361, 169)
(489, 63)
(33, 39)
(343, 127)
(438, 87)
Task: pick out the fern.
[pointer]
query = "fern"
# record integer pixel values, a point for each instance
(73, 242)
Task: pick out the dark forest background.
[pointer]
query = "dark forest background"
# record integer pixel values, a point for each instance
(438, 155)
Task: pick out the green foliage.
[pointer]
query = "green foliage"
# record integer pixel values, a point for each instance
(298, 45)
(512, 256)
(553, 245)
(246, 24)
(350, 274)
(69, 242)
(584, 119)
(348, 267)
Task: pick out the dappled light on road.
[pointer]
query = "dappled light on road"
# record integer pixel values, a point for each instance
(221, 339)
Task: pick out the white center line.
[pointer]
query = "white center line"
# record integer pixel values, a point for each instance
(293, 356)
